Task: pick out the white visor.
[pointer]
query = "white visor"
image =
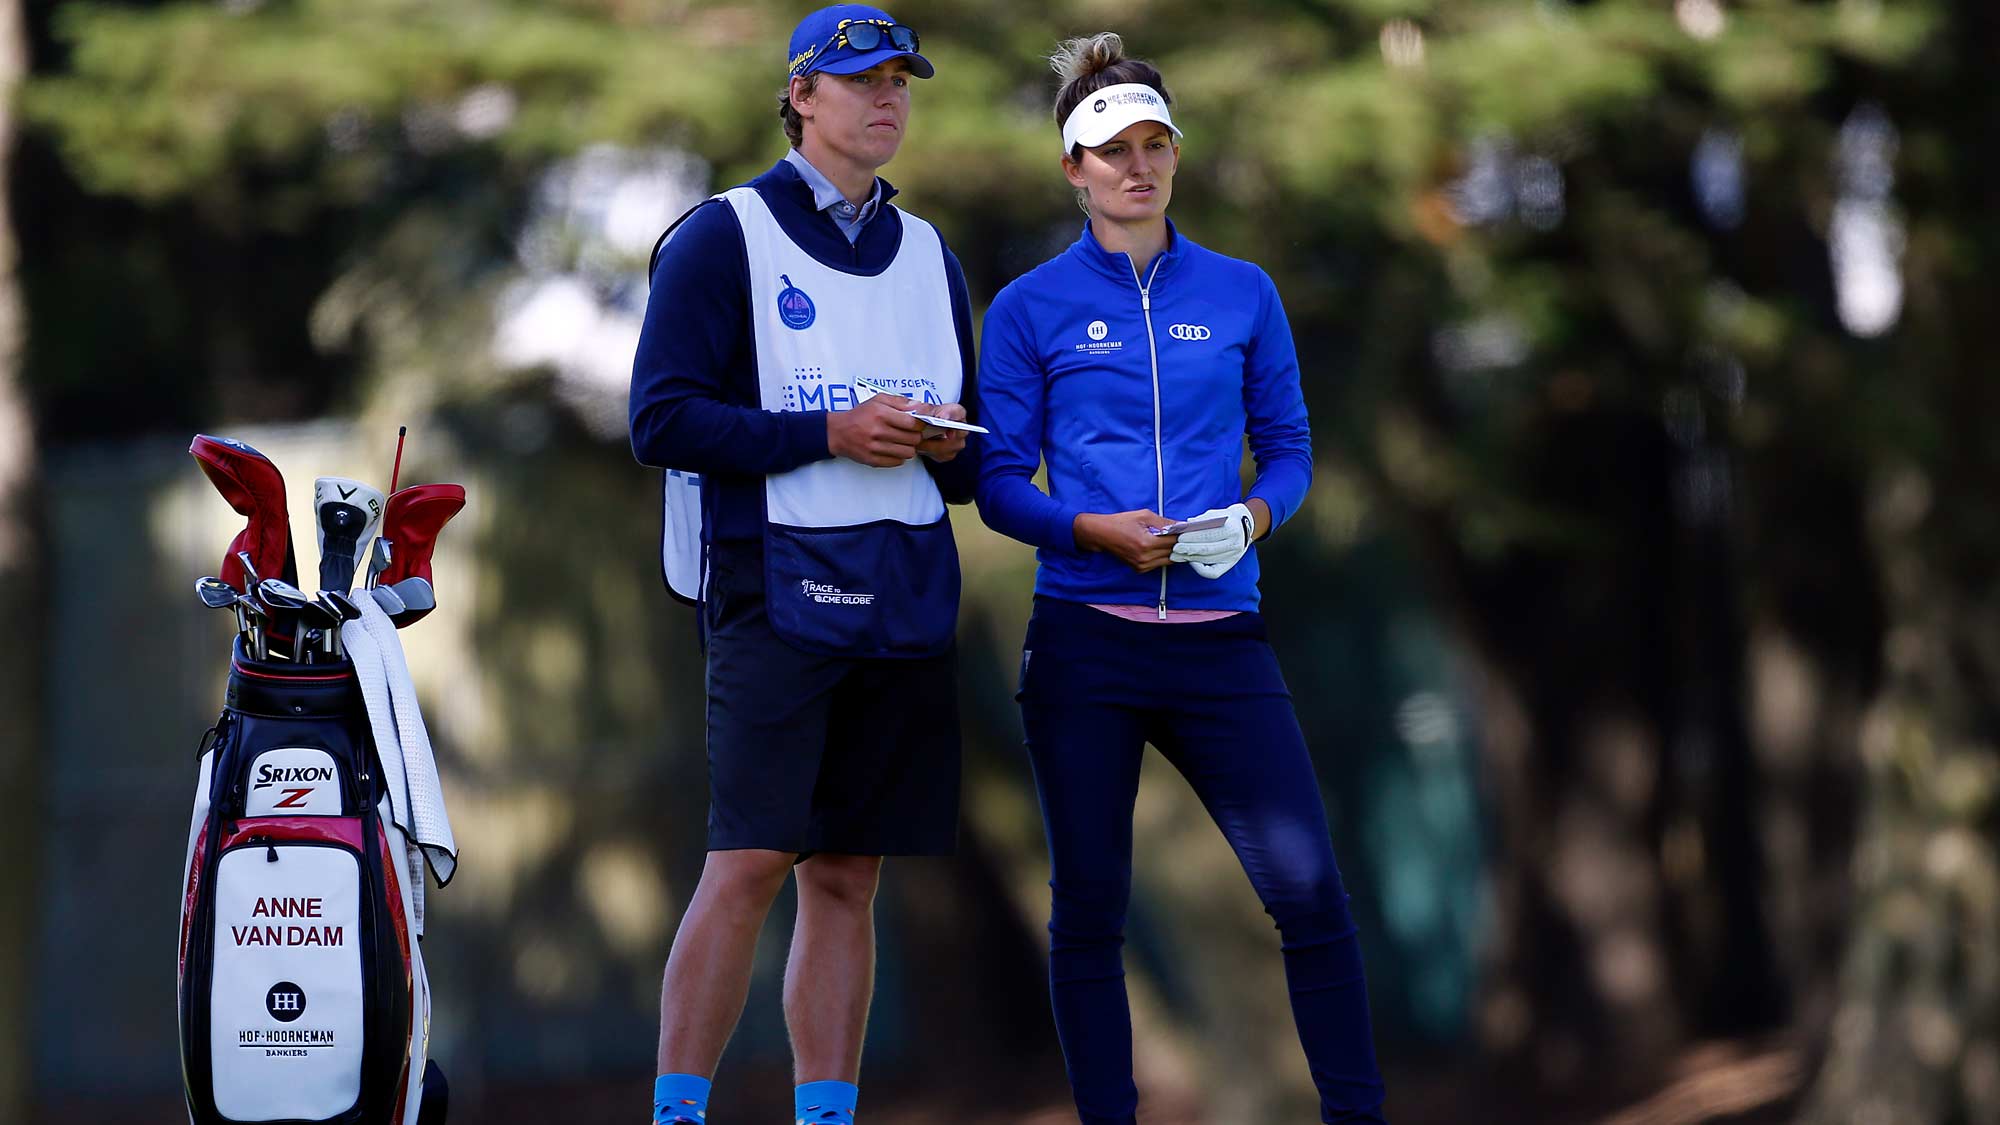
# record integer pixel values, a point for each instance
(1104, 114)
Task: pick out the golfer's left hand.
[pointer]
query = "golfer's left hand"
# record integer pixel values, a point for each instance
(1214, 551)
(947, 444)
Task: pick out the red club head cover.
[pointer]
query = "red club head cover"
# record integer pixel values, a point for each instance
(411, 521)
(255, 490)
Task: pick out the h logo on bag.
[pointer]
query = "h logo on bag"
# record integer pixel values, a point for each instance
(286, 1001)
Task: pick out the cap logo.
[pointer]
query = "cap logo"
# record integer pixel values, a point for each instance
(802, 58)
(1097, 106)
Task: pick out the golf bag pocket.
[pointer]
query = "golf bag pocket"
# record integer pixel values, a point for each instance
(882, 589)
(302, 994)
(288, 1004)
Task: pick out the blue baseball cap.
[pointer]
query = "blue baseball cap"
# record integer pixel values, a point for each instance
(820, 43)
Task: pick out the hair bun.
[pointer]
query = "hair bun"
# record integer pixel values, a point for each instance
(1092, 62)
(1087, 55)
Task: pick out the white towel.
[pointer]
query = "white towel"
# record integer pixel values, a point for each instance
(401, 742)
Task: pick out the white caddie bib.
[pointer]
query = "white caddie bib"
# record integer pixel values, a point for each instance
(817, 330)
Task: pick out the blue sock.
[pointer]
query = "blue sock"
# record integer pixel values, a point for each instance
(826, 1103)
(678, 1096)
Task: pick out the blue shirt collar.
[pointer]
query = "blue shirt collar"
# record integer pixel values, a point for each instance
(827, 198)
(1119, 266)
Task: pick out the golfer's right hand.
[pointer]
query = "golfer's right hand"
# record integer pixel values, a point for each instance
(876, 433)
(1127, 535)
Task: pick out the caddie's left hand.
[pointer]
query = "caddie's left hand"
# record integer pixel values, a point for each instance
(941, 444)
(1214, 551)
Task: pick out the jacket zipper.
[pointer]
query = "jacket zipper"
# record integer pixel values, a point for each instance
(1153, 355)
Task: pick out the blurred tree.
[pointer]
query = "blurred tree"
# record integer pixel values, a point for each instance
(1916, 1034)
(21, 593)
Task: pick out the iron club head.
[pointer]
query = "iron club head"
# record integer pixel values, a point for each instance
(379, 554)
(416, 593)
(215, 593)
(418, 600)
(282, 595)
(385, 596)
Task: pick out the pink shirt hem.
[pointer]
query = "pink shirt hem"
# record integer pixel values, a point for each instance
(1174, 616)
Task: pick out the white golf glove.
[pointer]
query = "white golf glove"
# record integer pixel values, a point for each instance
(1214, 551)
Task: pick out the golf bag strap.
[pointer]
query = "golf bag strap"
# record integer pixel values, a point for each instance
(210, 737)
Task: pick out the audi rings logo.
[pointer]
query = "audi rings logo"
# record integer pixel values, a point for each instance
(1189, 331)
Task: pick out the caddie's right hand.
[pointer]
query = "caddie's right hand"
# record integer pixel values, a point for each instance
(877, 433)
(1128, 535)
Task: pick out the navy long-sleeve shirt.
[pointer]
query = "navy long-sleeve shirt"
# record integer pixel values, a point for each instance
(694, 401)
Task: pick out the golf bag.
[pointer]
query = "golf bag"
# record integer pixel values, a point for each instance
(303, 996)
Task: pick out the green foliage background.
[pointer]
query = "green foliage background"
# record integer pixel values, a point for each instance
(1680, 472)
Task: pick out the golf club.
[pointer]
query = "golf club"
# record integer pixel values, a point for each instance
(379, 554)
(248, 607)
(342, 610)
(281, 595)
(217, 594)
(315, 619)
(379, 551)
(411, 523)
(385, 596)
(346, 512)
(418, 600)
(279, 628)
(290, 604)
(250, 576)
(214, 592)
(255, 490)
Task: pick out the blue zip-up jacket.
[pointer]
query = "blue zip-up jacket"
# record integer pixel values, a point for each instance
(694, 401)
(1068, 366)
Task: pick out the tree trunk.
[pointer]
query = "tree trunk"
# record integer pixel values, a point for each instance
(1917, 1033)
(20, 605)
(1620, 777)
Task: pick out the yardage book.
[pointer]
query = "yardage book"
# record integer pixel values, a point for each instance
(865, 390)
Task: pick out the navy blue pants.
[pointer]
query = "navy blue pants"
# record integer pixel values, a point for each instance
(1094, 690)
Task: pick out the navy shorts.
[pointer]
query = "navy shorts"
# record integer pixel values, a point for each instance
(810, 753)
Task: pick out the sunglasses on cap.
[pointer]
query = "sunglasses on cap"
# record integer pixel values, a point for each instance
(866, 35)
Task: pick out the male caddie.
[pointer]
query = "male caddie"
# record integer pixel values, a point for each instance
(794, 326)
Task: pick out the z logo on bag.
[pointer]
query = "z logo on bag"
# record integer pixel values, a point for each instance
(1189, 331)
(293, 779)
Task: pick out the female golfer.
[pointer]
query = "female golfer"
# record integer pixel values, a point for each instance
(1134, 362)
